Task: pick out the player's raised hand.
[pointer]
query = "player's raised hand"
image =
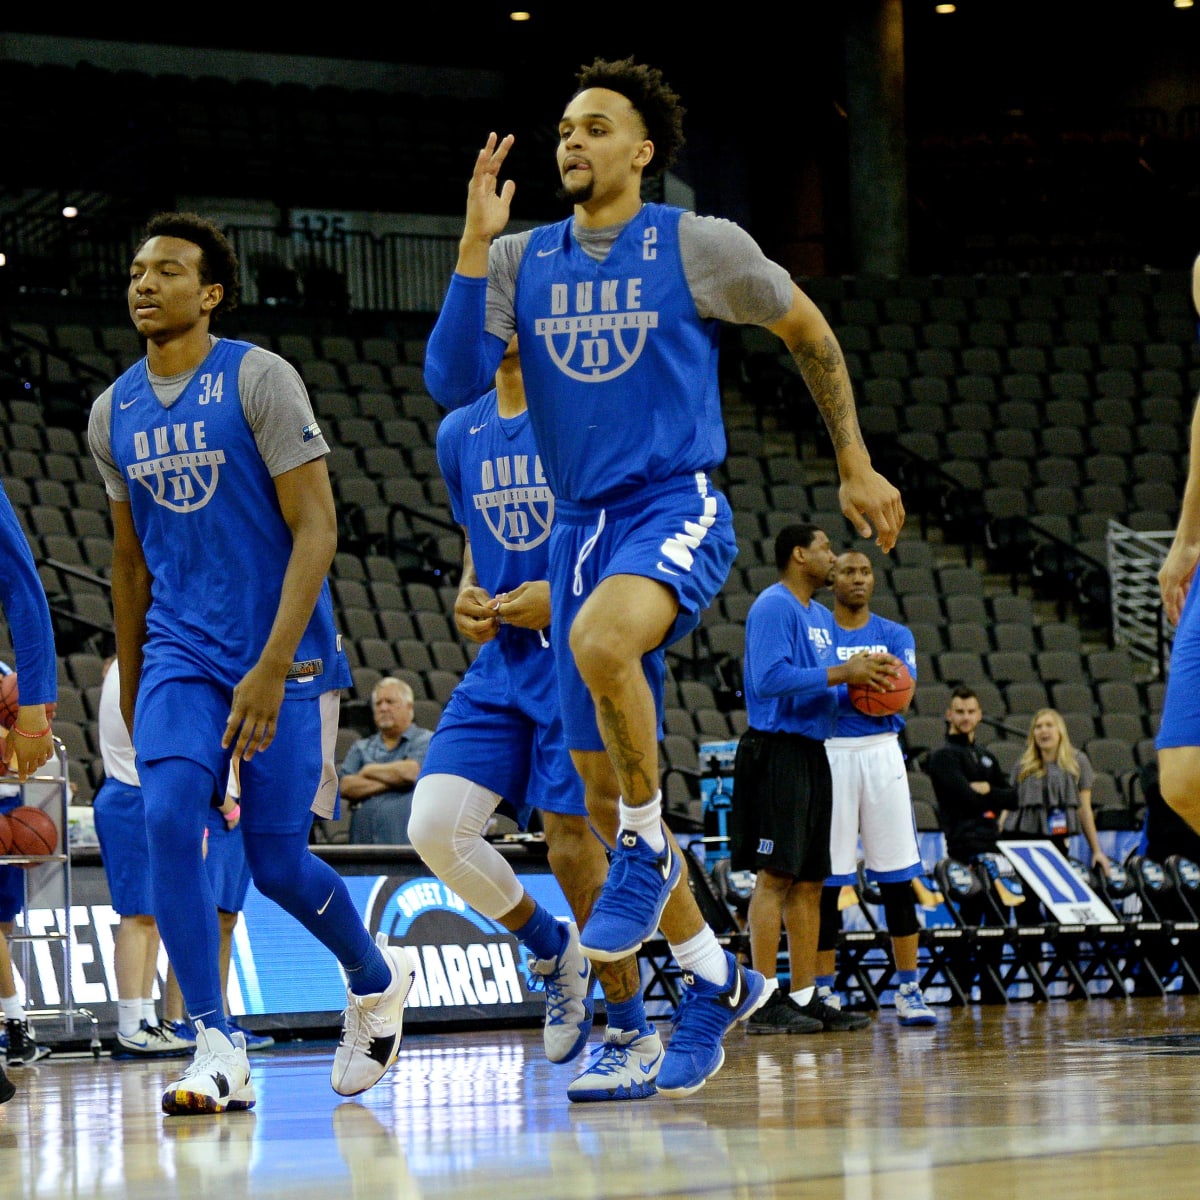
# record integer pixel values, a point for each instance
(488, 200)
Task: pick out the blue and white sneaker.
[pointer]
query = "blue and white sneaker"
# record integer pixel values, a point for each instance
(623, 1067)
(629, 906)
(151, 1041)
(705, 1015)
(911, 1008)
(567, 982)
(183, 1031)
(254, 1041)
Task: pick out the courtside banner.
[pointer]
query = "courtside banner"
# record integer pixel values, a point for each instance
(470, 969)
(1067, 897)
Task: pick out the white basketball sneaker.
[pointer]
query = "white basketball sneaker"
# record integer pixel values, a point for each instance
(217, 1080)
(372, 1026)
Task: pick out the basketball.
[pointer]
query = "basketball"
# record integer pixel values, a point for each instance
(5, 834)
(882, 704)
(32, 831)
(10, 701)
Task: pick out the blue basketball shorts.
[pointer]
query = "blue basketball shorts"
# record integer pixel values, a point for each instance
(225, 862)
(502, 729)
(121, 829)
(12, 879)
(283, 786)
(1180, 723)
(679, 533)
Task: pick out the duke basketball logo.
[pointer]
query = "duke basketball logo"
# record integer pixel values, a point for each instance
(515, 501)
(175, 465)
(597, 329)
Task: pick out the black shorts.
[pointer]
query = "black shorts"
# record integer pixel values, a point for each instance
(782, 806)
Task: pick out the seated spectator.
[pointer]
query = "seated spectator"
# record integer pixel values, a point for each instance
(1053, 782)
(379, 772)
(968, 783)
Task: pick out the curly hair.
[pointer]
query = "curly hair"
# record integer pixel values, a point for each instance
(653, 100)
(218, 262)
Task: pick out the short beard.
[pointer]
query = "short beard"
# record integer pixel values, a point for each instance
(582, 196)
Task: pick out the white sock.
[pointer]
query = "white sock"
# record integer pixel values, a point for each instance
(129, 1017)
(148, 1013)
(803, 995)
(703, 955)
(13, 1009)
(770, 987)
(645, 820)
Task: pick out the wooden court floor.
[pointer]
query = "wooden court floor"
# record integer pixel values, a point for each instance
(1067, 1099)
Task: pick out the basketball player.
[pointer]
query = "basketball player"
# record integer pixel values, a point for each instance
(120, 817)
(29, 744)
(618, 312)
(870, 792)
(782, 789)
(223, 531)
(500, 738)
(1178, 740)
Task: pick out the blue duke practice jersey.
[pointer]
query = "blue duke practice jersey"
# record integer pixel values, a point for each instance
(620, 370)
(208, 518)
(498, 492)
(878, 635)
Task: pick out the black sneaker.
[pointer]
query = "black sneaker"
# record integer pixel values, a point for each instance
(781, 1014)
(833, 1020)
(7, 1088)
(23, 1051)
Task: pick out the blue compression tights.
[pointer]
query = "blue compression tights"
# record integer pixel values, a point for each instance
(283, 869)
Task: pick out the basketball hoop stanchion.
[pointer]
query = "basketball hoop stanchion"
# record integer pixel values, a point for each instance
(48, 880)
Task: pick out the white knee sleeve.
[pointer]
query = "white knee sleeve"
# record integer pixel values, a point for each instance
(449, 814)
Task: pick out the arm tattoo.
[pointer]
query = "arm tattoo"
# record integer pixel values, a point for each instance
(627, 759)
(824, 371)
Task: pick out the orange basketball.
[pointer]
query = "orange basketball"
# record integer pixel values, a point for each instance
(32, 831)
(883, 704)
(5, 834)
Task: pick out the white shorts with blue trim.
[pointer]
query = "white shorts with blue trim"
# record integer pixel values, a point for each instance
(871, 800)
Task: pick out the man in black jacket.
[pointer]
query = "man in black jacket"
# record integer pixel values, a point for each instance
(969, 785)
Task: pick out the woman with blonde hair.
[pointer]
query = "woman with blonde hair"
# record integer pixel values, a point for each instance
(1054, 789)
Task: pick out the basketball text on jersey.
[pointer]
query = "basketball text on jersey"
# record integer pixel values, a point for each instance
(175, 465)
(598, 320)
(821, 638)
(515, 501)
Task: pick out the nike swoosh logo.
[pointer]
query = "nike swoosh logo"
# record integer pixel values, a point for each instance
(477, 428)
(126, 403)
(547, 253)
(648, 1067)
(665, 569)
(736, 998)
(321, 910)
